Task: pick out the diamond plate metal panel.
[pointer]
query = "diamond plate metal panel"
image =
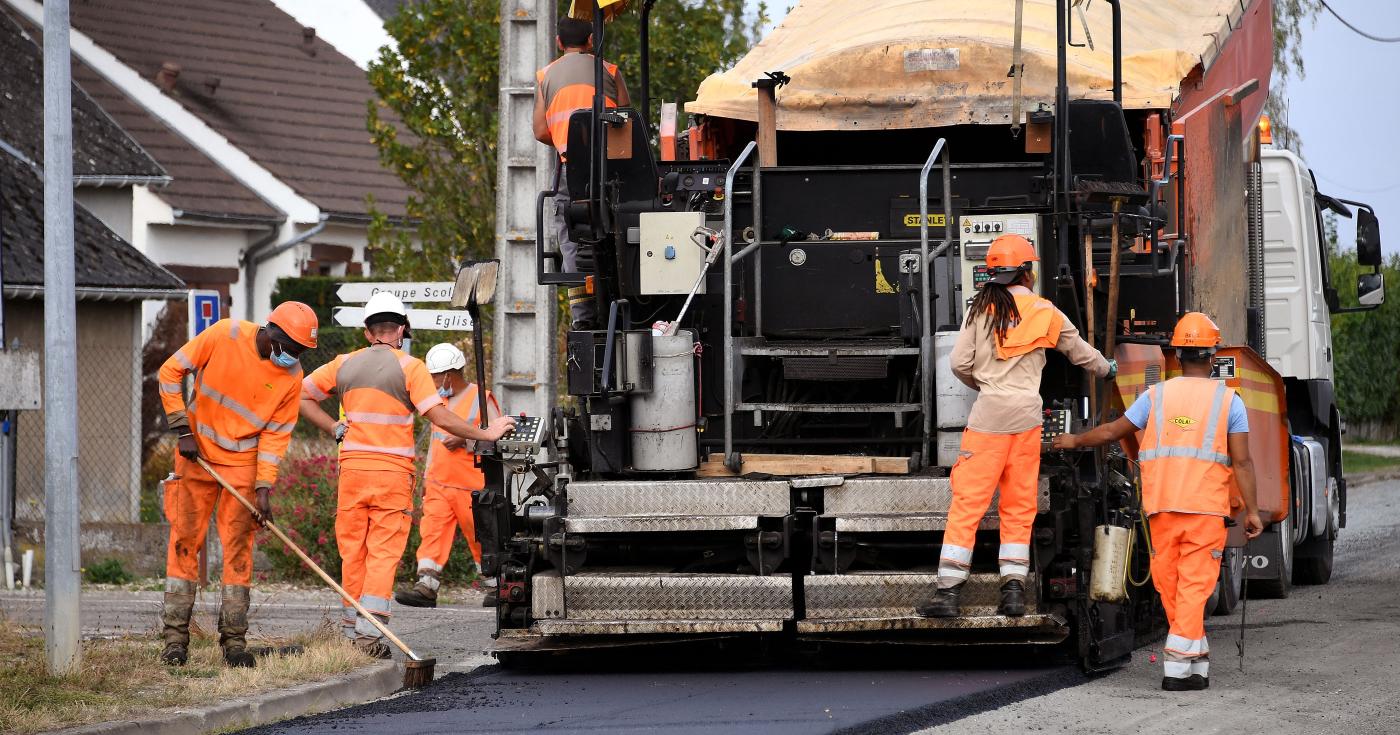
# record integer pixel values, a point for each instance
(1054, 627)
(869, 522)
(679, 497)
(640, 627)
(883, 595)
(671, 597)
(649, 524)
(869, 495)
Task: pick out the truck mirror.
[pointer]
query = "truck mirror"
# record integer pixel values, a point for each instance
(1370, 289)
(1368, 238)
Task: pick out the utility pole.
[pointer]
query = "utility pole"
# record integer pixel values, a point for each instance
(61, 559)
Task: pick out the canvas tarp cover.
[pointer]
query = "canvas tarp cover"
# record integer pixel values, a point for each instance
(858, 65)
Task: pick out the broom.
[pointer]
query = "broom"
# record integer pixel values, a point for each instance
(418, 671)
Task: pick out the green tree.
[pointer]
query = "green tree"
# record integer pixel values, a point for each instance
(434, 118)
(1366, 344)
(1289, 17)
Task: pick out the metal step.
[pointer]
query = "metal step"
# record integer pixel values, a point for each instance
(832, 407)
(654, 498)
(655, 523)
(902, 495)
(635, 596)
(884, 595)
(760, 347)
(1035, 628)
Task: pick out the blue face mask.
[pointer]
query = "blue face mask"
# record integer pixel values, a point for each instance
(445, 391)
(281, 359)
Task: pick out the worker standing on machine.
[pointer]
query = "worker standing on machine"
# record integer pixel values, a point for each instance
(379, 388)
(1000, 352)
(563, 88)
(449, 479)
(1195, 443)
(239, 419)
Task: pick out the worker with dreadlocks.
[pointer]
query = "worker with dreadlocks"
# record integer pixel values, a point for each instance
(1194, 449)
(1000, 353)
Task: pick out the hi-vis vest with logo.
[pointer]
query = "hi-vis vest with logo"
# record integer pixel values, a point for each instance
(567, 87)
(456, 468)
(1185, 451)
(1039, 327)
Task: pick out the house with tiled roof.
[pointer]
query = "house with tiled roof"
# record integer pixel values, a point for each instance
(112, 278)
(260, 126)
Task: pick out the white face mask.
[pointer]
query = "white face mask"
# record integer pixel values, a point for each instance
(445, 391)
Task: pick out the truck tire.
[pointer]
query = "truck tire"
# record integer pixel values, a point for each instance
(1313, 563)
(1230, 585)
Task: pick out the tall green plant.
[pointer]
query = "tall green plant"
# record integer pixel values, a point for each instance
(434, 119)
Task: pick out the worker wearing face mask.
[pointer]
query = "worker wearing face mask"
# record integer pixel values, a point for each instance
(451, 476)
(239, 419)
(380, 388)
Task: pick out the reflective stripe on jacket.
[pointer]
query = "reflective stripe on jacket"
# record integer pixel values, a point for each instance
(567, 87)
(457, 468)
(380, 388)
(1185, 451)
(244, 407)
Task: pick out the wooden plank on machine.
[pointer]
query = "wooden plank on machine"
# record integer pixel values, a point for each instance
(806, 464)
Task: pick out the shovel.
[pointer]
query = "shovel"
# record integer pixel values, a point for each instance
(418, 671)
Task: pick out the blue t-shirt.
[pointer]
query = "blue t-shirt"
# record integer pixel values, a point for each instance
(1142, 407)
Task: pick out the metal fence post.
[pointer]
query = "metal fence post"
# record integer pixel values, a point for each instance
(61, 558)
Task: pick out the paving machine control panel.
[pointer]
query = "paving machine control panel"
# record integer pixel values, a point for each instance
(1057, 421)
(524, 440)
(976, 233)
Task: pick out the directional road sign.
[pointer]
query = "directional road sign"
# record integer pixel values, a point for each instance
(205, 309)
(359, 293)
(441, 319)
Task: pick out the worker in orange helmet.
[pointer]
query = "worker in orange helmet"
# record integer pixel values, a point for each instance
(451, 476)
(380, 388)
(1000, 352)
(239, 419)
(563, 88)
(1195, 440)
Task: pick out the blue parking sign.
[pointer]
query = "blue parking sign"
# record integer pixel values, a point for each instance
(205, 309)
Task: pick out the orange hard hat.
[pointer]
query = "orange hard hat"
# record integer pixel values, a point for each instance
(297, 320)
(1008, 256)
(1195, 329)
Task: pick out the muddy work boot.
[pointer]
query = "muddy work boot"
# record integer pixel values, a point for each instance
(374, 647)
(1013, 599)
(424, 591)
(233, 627)
(492, 598)
(175, 613)
(943, 604)
(1193, 683)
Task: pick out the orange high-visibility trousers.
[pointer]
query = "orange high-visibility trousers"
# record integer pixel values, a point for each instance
(1185, 566)
(188, 503)
(372, 520)
(1010, 462)
(444, 510)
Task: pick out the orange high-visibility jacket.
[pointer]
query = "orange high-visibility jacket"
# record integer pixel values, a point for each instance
(379, 388)
(1185, 451)
(1038, 328)
(244, 407)
(456, 468)
(567, 87)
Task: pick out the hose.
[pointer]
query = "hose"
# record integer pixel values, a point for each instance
(1132, 539)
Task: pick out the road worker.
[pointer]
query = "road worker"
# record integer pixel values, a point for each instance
(239, 419)
(380, 388)
(563, 88)
(1000, 352)
(451, 476)
(1195, 440)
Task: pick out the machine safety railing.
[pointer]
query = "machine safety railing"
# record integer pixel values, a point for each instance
(925, 278)
(730, 258)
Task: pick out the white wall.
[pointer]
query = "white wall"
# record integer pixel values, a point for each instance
(112, 205)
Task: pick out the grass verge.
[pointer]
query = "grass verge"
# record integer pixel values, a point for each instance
(1356, 462)
(123, 678)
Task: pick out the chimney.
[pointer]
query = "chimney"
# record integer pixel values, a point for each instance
(308, 40)
(165, 78)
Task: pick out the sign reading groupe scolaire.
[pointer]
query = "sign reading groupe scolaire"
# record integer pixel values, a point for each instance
(441, 319)
(408, 292)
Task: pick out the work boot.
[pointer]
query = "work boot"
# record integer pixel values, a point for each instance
(175, 613)
(1013, 599)
(943, 604)
(424, 591)
(374, 647)
(233, 627)
(1192, 683)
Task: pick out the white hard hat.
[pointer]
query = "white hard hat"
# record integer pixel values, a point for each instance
(384, 302)
(444, 357)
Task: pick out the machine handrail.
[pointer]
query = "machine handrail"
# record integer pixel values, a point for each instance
(729, 296)
(925, 295)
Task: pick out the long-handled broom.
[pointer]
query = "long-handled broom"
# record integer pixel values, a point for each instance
(418, 671)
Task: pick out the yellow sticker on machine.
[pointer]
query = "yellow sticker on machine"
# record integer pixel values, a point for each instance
(934, 220)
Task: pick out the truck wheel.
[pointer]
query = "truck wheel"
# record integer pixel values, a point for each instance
(1227, 590)
(1277, 547)
(1314, 560)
